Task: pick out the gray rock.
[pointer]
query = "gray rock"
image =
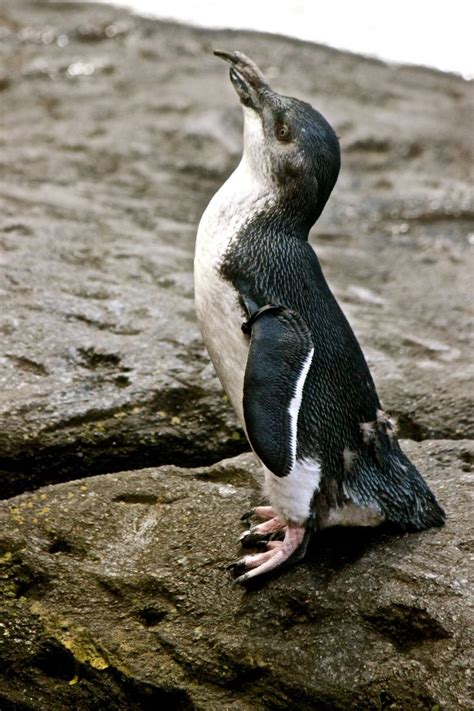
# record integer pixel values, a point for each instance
(117, 596)
(115, 132)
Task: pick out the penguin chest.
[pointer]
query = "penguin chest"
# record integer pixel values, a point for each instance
(219, 313)
(220, 318)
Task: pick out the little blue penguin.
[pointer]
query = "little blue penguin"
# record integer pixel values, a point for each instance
(283, 349)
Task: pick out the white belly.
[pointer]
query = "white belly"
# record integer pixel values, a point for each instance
(219, 313)
(220, 319)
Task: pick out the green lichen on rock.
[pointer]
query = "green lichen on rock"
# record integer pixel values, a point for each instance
(77, 640)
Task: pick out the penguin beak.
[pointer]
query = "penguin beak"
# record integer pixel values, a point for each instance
(246, 77)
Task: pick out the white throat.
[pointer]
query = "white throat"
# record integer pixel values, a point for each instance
(241, 197)
(254, 148)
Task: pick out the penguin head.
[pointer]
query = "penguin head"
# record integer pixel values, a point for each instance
(288, 145)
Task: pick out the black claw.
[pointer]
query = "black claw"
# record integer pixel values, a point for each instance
(247, 515)
(241, 580)
(253, 539)
(237, 568)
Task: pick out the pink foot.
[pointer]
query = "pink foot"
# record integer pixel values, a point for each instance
(261, 512)
(272, 527)
(277, 553)
(262, 529)
(264, 512)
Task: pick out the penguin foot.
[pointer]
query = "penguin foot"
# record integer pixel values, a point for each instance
(254, 539)
(261, 512)
(277, 553)
(269, 530)
(264, 512)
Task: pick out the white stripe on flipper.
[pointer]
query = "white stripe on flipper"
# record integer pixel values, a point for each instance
(295, 404)
(291, 495)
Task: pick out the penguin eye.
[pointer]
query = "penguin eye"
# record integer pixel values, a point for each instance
(283, 132)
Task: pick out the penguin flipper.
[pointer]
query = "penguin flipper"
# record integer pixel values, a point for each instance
(280, 355)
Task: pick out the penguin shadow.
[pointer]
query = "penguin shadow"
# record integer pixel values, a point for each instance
(329, 552)
(334, 549)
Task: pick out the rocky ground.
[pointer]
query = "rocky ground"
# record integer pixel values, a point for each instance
(114, 133)
(118, 597)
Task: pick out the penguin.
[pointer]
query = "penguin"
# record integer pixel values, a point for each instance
(283, 349)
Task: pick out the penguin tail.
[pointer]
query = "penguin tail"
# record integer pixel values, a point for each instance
(407, 500)
(383, 476)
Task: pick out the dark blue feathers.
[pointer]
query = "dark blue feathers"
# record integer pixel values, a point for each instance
(280, 347)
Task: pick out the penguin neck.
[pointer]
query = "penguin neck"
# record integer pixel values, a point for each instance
(282, 221)
(259, 202)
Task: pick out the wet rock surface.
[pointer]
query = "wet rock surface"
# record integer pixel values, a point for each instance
(114, 133)
(117, 596)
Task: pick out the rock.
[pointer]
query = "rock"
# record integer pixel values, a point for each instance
(116, 130)
(117, 596)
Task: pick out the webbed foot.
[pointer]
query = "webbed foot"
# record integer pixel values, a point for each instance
(261, 512)
(293, 546)
(268, 530)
